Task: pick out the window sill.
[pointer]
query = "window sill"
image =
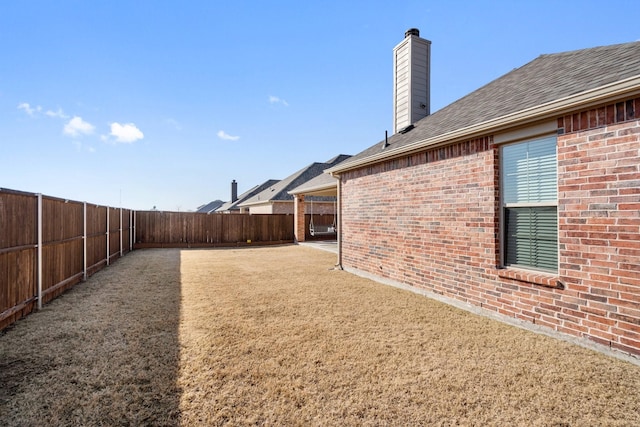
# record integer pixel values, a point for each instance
(548, 280)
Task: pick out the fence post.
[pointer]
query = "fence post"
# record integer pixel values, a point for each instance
(131, 228)
(84, 240)
(121, 251)
(39, 251)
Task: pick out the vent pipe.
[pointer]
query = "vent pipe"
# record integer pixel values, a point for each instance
(234, 191)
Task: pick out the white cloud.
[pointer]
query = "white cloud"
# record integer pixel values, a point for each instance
(80, 147)
(277, 100)
(223, 135)
(32, 111)
(59, 114)
(174, 123)
(126, 133)
(28, 109)
(76, 127)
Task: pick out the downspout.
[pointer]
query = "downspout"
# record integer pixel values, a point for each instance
(339, 221)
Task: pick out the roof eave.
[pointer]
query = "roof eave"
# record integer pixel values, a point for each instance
(257, 202)
(629, 86)
(262, 202)
(315, 188)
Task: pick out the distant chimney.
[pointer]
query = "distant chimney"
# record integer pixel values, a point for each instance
(234, 191)
(411, 76)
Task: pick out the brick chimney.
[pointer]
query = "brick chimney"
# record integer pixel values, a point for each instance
(234, 191)
(411, 80)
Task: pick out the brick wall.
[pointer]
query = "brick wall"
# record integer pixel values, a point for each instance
(599, 233)
(282, 207)
(604, 115)
(427, 220)
(320, 208)
(431, 220)
(299, 225)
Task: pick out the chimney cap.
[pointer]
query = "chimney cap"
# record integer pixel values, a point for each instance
(412, 32)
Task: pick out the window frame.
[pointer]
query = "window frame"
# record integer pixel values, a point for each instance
(503, 206)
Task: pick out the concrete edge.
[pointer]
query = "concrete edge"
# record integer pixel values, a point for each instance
(328, 245)
(513, 321)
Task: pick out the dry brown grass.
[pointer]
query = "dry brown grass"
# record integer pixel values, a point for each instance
(273, 336)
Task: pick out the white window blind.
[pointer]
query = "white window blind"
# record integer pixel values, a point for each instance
(530, 172)
(529, 194)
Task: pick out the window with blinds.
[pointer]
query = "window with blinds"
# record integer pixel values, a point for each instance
(529, 203)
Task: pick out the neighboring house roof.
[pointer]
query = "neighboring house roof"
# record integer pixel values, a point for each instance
(546, 86)
(233, 206)
(322, 185)
(210, 207)
(279, 191)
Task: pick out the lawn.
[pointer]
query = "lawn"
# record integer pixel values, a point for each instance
(275, 336)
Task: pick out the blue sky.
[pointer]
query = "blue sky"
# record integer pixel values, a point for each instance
(162, 103)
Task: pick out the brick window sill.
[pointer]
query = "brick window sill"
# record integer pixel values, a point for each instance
(537, 278)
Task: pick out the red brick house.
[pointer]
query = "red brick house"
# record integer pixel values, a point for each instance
(522, 198)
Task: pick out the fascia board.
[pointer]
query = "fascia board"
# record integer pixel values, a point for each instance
(315, 188)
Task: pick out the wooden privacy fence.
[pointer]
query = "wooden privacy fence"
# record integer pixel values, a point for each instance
(47, 245)
(155, 229)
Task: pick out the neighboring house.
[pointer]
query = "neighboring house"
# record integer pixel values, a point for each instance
(209, 207)
(522, 198)
(232, 205)
(276, 198)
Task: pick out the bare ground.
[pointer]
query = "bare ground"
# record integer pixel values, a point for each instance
(274, 336)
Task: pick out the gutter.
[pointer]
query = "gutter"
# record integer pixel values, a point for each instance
(629, 86)
(308, 190)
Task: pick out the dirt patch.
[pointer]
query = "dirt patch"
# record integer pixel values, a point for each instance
(274, 336)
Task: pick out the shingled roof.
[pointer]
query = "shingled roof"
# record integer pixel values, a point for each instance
(209, 207)
(280, 190)
(320, 184)
(233, 206)
(544, 80)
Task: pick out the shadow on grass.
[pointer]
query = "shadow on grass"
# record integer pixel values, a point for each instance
(105, 353)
